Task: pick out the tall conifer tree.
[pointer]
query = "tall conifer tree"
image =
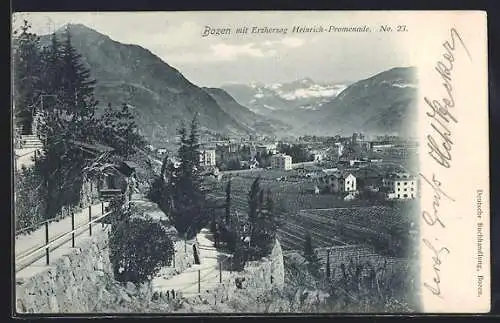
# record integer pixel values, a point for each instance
(27, 65)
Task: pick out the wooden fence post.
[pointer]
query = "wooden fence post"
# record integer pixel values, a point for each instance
(199, 281)
(47, 242)
(102, 213)
(90, 220)
(72, 229)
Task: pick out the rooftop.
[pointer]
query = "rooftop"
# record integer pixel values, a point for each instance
(310, 168)
(330, 171)
(399, 175)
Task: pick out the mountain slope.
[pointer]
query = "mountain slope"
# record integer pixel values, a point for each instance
(382, 104)
(293, 103)
(258, 123)
(300, 94)
(161, 97)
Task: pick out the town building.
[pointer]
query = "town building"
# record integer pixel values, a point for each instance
(330, 171)
(207, 157)
(403, 151)
(319, 155)
(309, 171)
(381, 147)
(358, 163)
(400, 186)
(260, 151)
(267, 148)
(347, 183)
(338, 149)
(281, 161)
(338, 183)
(249, 164)
(253, 164)
(368, 179)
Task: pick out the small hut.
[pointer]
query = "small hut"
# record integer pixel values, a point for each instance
(111, 174)
(117, 181)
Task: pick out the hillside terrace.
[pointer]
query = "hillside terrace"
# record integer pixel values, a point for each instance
(373, 226)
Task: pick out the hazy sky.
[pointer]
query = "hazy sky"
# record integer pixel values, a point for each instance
(176, 37)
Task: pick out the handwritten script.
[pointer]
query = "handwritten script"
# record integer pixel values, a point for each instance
(440, 143)
(436, 262)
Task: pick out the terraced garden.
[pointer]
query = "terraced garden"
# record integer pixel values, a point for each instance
(378, 227)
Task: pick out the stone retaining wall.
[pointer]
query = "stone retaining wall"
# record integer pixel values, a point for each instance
(257, 275)
(71, 283)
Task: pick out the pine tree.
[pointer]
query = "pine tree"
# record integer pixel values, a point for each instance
(183, 153)
(188, 197)
(268, 225)
(117, 128)
(311, 257)
(253, 207)
(27, 63)
(194, 146)
(228, 203)
(328, 273)
(77, 89)
(68, 117)
(31, 66)
(262, 220)
(164, 167)
(52, 69)
(159, 192)
(253, 200)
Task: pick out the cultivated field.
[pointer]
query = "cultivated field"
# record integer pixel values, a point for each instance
(290, 195)
(386, 229)
(381, 225)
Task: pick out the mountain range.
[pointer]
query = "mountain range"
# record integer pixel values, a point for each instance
(385, 103)
(381, 104)
(158, 94)
(302, 94)
(161, 98)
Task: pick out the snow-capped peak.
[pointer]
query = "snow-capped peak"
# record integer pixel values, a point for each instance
(312, 91)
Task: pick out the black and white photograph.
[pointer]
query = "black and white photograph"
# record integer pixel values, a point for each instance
(249, 162)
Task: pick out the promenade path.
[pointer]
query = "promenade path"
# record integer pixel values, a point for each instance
(28, 263)
(187, 281)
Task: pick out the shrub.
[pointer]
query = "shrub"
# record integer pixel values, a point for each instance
(138, 249)
(31, 196)
(239, 260)
(155, 193)
(373, 287)
(115, 206)
(229, 237)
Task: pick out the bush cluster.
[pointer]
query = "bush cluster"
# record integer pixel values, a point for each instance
(30, 196)
(139, 247)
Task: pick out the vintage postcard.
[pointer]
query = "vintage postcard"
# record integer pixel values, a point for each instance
(251, 162)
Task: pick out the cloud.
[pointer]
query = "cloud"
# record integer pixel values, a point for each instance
(221, 52)
(290, 42)
(228, 52)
